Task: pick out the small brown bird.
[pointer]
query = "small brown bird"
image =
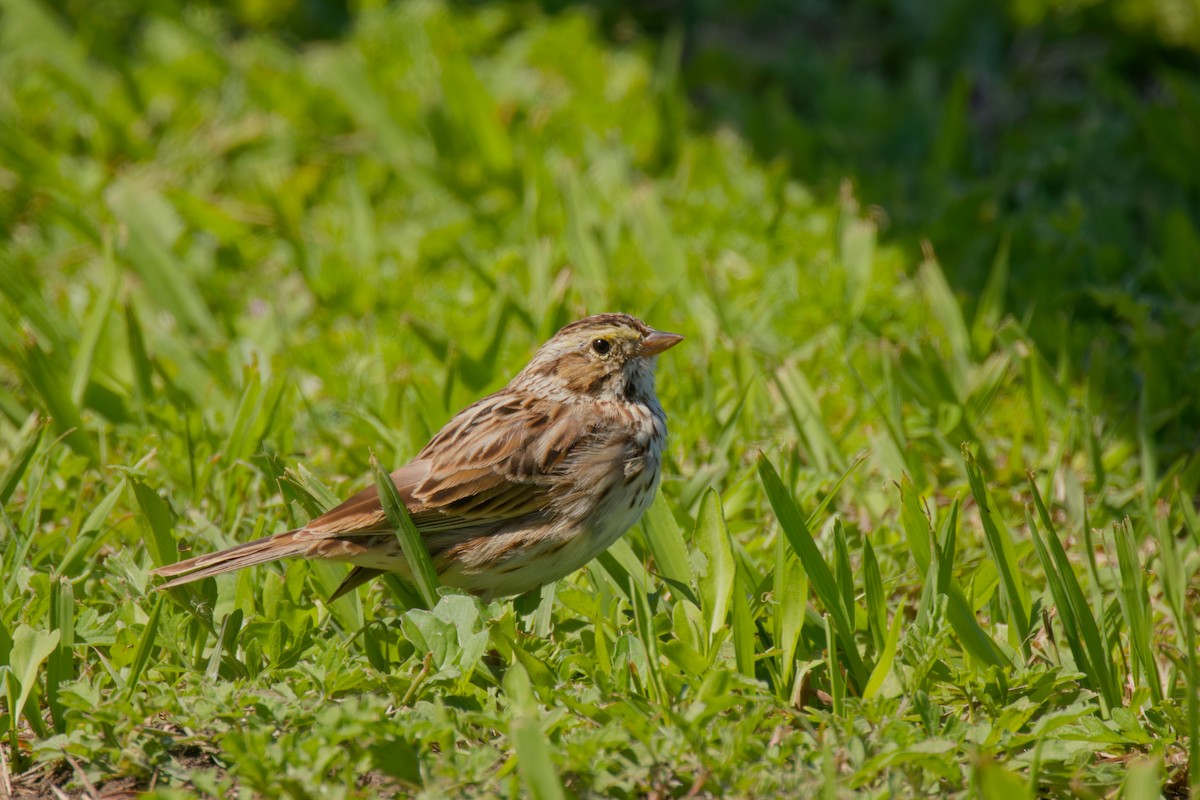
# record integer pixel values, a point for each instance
(523, 487)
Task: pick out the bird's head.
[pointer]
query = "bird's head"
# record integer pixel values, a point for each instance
(602, 357)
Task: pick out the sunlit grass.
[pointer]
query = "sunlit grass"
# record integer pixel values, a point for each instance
(236, 270)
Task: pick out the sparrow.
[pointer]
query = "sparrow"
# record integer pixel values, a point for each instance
(518, 489)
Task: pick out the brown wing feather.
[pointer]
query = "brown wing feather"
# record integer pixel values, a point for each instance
(513, 451)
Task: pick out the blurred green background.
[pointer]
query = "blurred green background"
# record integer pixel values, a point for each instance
(1057, 137)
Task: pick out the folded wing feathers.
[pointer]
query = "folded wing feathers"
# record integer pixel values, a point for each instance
(499, 480)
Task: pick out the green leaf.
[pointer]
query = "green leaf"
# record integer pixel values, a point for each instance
(45, 376)
(25, 446)
(145, 647)
(1000, 548)
(532, 749)
(159, 519)
(791, 607)
(30, 649)
(666, 543)
(916, 524)
(873, 591)
(744, 633)
(60, 667)
(419, 563)
(887, 656)
(716, 584)
(1143, 781)
(1079, 623)
(797, 533)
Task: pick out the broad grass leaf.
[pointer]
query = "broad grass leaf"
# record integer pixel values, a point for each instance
(716, 584)
(30, 649)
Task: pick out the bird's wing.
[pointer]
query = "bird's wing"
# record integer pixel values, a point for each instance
(490, 464)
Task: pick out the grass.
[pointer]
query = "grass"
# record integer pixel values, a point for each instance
(899, 549)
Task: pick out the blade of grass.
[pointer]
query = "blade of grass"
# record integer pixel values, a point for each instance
(666, 543)
(26, 444)
(794, 527)
(887, 656)
(1083, 633)
(419, 563)
(841, 559)
(916, 524)
(959, 611)
(644, 620)
(532, 750)
(1136, 609)
(873, 592)
(819, 511)
(1000, 547)
(990, 307)
(837, 681)
(159, 520)
(743, 628)
(30, 649)
(93, 329)
(60, 668)
(92, 532)
(44, 376)
(716, 584)
(791, 606)
(145, 647)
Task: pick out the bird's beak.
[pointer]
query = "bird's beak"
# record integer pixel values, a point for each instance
(658, 341)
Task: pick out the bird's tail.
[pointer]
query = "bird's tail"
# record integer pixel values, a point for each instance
(260, 551)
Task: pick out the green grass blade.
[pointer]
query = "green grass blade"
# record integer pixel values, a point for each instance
(424, 575)
(24, 448)
(159, 520)
(716, 585)
(1000, 548)
(532, 750)
(794, 527)
(791, 607)
(1136, 610)
(887, 656)
(665, 540)
(873, 592)
(817, 513)
(990, 308)
(92, 532)
(644, 620)
(60, 668)
(93, 329)
(240, 443)
(805, 411)
(744, 632)
(837, 681)
(44, 375)
(916, 524)
(959, 611)
(842, 570)
(1061, 576)
(145, 647)
(1143, 781)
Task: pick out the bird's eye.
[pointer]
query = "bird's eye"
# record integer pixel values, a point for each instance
(601, 346)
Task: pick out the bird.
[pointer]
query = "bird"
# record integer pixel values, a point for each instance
(517, 490)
